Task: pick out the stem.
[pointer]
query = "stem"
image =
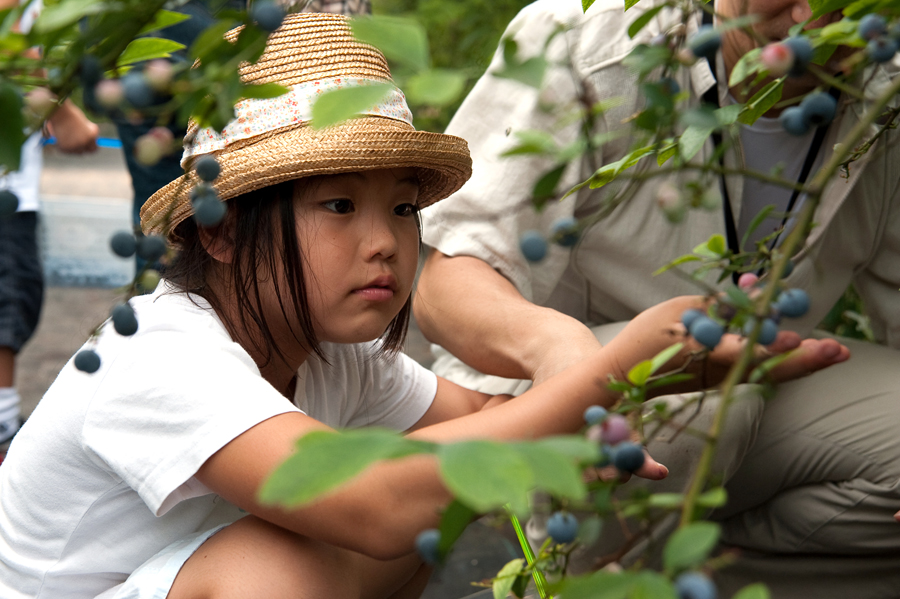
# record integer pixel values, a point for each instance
(539, 581)
(793, 241)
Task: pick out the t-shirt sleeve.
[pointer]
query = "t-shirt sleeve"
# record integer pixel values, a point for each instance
(167, 402)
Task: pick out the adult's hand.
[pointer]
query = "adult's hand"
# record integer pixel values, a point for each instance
(74, 132)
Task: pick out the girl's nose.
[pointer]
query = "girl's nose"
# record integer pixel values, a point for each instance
(383, 240)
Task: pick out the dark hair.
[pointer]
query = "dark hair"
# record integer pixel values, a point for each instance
(255, 221)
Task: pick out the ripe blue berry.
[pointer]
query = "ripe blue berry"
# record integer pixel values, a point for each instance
(819, 108)
(9, 202)
(594, 414)
(87, 361)
(562, 527)
(124, 320)
(123, 244)
(689, 316)
(705, 43)
(881, 49)
(565, 231)
(793, 303)
(90, 71)
(151, 248)
(767, 333)
(533, 246)
(707, 331)
(793, 120)
(427, 544)
(694, 585)
(207, 168)
(802, 49)
(267, 15)
(208, 211)
(628, 456)
(669, 86)
(872, 26)
(137, 90)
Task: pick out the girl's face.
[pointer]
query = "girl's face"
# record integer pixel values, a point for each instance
(360, 240)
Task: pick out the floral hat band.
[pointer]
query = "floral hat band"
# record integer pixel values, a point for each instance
(255, 117)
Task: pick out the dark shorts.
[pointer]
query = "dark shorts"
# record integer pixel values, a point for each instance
(21, 279)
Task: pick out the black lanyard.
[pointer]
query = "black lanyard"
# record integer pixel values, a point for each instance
(712, 97)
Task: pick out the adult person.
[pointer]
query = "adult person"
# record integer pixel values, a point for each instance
(812, 475)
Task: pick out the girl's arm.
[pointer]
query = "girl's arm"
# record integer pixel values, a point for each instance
(380, 512)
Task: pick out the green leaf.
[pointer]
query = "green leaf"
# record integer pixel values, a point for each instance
(716, 244)
(676, 262)
(757, 221)
(599, 585)
(670, 379)
(529, 72)
(738, 297)
(641, 22)
(263, 90)
(163, 19)
(454, 521)
(342, 104)
(586, 4)
(148, 48)
(437, 87)
(324, 459)
(749, 64)
(207, 44)
(639, 374)
(702, 117)
(644, 59)
(762, 101)
(589, 530)
(533, 141)
(763, 369)
(663, 155)
(753, 591)
(713, 498)
(660, 359)
(691, 545)
(506, 578)
(630, 3)
(607, 173)
(12, 126)
(400, 39)
(667, 501)
(576, 447)
(545, 188)
(66, 13)
(652, 585)
(486, 475)
(553, 471)
(822, 7)
(692, 140)
(728, 115)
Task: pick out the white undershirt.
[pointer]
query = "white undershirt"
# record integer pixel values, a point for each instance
(767, 146)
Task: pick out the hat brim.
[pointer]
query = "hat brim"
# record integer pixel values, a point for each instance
(370, 143)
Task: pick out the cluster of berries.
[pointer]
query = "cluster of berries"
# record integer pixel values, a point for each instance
(208, 209)
(612, 432)
(534, 245)
(881, 44)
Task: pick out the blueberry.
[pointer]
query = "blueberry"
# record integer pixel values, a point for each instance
(533, 245)
(594, 414)
(87, 361)
(793, 120)
(565, 231)
(705, 43)
(615, 429)
(151, 248)
(767, 332)
(881, 49)
(90, 71)
(607, 454)
(267, 15)
(427, 544)
(872, 26)
(690, 316)
(793, 303)
(819, 108)
(9, 202)
(802, 49)
(669, 86)
(207, 168)
(137, 90)
(694, 585)
(124, 320)
(628, 456)
(208, 211)
(123, 244)
(707, 331)
(562, 527)
(201, 190)
(788, 269)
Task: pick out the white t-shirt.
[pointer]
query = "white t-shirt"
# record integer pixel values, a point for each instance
(101, 477)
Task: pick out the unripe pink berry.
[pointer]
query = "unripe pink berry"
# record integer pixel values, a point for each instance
(615, 429)
(777, 58)
(747, 280)
(40, 101)
(148, 149)
(164, 135)
(158, 74)
(109, 93)
(594, 433)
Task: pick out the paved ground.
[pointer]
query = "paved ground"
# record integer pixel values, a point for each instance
(85, 199)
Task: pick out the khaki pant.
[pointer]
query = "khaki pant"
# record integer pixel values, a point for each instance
(813, 476)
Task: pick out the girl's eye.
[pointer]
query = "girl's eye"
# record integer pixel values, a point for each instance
(342, 206)
(406, 209)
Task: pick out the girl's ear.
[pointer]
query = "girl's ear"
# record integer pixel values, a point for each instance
(218, 241)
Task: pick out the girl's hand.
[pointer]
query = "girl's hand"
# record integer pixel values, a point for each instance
(659, 327)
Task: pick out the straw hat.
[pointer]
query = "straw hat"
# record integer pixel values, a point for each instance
(270, 141)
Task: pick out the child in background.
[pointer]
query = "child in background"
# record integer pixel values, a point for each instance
(141, 479)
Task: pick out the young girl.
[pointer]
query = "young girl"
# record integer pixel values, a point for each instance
(141, 479)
